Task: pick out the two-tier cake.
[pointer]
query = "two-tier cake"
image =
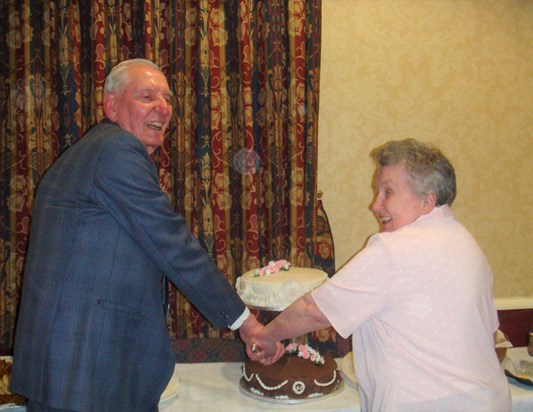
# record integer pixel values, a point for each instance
(302, 373)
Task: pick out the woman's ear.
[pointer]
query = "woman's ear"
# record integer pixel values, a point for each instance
(110, 106)
(429, 202)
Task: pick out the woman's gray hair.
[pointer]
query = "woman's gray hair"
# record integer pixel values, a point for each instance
(429, 169)
(118, 76)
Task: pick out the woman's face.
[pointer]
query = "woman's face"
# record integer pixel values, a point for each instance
(396, 204)
(142, 106)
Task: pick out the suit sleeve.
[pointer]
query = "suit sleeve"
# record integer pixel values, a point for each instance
(127, 186)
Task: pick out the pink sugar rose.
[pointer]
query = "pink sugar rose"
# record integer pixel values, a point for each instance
(305, 352)
(272, 267)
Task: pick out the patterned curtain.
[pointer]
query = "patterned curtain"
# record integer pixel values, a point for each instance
(240, 158)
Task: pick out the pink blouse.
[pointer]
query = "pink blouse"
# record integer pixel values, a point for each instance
(418, 302)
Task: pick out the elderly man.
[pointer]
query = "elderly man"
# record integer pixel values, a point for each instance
(92, 334)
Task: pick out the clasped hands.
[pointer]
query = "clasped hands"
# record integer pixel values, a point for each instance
(258, 346)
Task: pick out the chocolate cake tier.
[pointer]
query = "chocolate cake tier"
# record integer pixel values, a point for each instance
(292, 377)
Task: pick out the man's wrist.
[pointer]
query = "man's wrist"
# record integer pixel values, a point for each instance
(240, 320)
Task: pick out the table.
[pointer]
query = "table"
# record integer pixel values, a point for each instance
(215, 387)
(521, 394)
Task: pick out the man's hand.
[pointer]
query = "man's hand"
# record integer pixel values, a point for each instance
(299, 318)
(261, 350)
(257, 353)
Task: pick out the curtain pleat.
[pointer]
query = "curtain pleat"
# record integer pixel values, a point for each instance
(240, 159)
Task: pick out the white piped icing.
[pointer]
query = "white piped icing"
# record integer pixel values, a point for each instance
(298, 387)
(270, 388)
(247, 377)
(317, 383)
(256, 392)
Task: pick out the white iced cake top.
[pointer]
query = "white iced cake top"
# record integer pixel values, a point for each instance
(275, 291)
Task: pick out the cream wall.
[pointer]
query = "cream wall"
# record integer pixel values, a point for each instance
(458, 73)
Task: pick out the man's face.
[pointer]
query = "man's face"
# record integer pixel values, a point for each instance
(396, 203)
(142, 107)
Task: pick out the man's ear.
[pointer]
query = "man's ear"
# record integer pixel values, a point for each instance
(110, 107)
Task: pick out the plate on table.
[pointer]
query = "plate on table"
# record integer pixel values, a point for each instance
(519, 369)
(347, 367)
(11, 407)
(171, 390)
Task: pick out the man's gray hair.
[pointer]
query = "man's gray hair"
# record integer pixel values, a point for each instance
(118, 76)
(429, 169)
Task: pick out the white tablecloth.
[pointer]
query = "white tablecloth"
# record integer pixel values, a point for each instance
(206, 387)
(215, 387)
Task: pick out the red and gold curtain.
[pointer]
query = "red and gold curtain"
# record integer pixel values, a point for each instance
(240, 158)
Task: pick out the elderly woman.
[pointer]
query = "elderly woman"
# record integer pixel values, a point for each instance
(417, 299)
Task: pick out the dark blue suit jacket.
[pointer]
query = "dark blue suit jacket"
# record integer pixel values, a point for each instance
(92, 335)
